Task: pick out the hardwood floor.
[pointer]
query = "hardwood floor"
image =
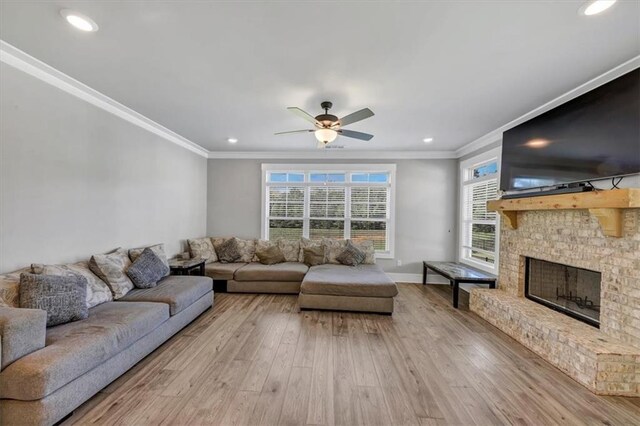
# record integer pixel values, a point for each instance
(254, 359)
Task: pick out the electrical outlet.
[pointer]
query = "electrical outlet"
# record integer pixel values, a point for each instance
(398, 262)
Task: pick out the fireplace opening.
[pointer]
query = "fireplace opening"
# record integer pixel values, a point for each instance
(567, 289)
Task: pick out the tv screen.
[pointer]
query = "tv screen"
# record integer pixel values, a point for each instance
(594, 136)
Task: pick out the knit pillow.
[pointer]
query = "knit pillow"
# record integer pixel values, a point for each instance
(147, 270)
(97, 290)
(351, 255)
(369, 251)
(158, 249)
(62, 296)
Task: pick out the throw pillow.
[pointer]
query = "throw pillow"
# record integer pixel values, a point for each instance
(268, 253)
(247, 249)
(306, 243)
(97, 290)
(111, 269)
(10, 289)
(333, 249)
(314, 255)
(203, 248)
(351, 255)
(147, 269)
(158, 249)
(290, 249)
(369, 250)
(228, 251)
(62, 296)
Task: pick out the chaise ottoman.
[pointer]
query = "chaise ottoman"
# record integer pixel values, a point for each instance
(362, 288)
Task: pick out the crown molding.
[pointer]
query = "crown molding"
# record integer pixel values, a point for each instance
(496, 135)
(18, 59)
(331, 155)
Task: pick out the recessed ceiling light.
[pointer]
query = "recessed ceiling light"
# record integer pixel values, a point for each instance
(594, 7)
(78, 20)
(232, 140)
(427, 140)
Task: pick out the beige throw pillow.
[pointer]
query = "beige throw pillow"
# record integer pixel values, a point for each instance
(269, 253)
(203, 248)
(111, 268)
(333, 248)
(10, 289)
(290, 249)
(314, 254)
(97, 290)
(247, 250)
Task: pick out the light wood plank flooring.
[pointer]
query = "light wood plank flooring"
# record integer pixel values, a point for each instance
(255, 359)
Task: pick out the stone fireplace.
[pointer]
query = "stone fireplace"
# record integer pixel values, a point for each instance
(571, 258)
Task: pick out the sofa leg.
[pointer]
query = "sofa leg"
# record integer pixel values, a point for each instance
(220, 286)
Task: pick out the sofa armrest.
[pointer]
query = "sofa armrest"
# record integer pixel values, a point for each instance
(22, 331)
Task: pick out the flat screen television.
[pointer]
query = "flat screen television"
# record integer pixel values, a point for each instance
(594, 136)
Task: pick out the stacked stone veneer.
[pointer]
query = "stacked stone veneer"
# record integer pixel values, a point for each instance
(606, 360)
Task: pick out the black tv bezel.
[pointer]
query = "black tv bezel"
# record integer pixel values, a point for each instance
(543, 188)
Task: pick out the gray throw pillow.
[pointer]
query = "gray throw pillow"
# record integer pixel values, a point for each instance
(62, 296)
(229, 251)
(314, 255)
(147, 269)
(351, 255)
(270, 255)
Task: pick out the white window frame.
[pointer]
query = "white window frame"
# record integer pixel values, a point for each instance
(334, 168)
(466, 165)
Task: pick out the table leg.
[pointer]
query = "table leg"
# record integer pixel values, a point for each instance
(202, 270)
(492, 284)
(424, 274)
(456, 290)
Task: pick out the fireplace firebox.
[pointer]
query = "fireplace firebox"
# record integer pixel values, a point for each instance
(566, 289)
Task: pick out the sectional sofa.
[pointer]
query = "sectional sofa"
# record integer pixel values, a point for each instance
(45, 373)
(330, 286)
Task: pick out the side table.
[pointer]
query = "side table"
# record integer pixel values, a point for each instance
(185, 267)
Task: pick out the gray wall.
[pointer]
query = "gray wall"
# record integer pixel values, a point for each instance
(76, 180)
(425, 206)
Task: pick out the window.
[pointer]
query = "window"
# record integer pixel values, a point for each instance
(479, 228)
(317, 200)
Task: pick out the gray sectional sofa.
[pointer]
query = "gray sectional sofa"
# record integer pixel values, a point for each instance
(362, 288)
(47, 372)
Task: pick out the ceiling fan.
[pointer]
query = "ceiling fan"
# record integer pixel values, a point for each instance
(328, 126)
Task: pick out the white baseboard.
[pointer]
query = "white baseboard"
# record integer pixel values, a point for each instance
(416, 278)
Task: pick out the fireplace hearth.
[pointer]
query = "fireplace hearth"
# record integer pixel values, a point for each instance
(566, 289)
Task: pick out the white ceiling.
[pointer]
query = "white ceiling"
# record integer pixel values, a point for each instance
(452, 70)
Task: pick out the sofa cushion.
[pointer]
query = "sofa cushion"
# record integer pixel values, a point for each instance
(222, 271)
(147, 269)
(269, 253)
(342, 280)
(22, 331)
(63, 297)
(111, 269)
(178, 291)
(97, 290)
(203, 248)
(73, 349)
(287, 271)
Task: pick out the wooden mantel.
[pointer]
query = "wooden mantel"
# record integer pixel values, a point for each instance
(606, 206)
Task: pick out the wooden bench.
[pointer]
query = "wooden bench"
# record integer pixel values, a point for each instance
(457, 273)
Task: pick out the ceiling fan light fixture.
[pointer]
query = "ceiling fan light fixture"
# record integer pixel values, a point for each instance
(326, 135)
(79, 21)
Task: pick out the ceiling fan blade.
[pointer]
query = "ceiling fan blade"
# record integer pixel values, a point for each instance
(301, 113)
(294, 131)
(356, 116)
(356, 135)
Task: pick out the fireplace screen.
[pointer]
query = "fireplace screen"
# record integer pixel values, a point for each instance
(572, 291)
